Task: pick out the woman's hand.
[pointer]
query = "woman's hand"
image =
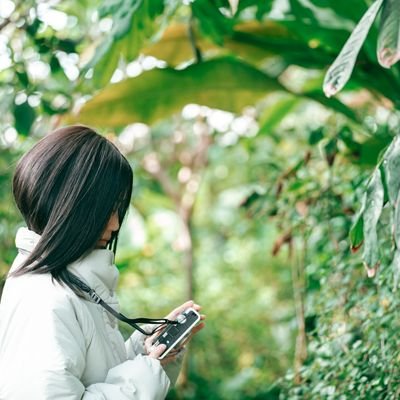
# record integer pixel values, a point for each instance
(156, 352)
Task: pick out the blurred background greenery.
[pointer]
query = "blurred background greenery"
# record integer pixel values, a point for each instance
(247, 178)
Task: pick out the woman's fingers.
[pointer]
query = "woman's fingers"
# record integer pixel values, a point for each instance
(198, 327)
(174, 314)
(156, 351)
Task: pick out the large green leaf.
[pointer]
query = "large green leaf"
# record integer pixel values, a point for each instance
(221, 83)
(391, 166)
(366, 153)
(174, 47)
(396, 224)
(384, 185)
(372, 212)
(395, 266)
(104, 61)
(251, 40)
(317, 37)
(255, 42)
(340, 71)
(371, 150)
(388, 48)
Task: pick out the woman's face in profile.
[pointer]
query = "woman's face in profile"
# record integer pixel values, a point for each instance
(112, 226)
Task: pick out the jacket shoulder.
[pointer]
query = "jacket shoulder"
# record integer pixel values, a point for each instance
(36, 302)
(38, 297)
(39, 289)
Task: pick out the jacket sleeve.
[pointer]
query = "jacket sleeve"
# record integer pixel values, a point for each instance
(55, 346)
(134, 379)
(135, 346)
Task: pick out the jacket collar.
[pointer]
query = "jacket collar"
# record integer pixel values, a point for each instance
(95, 268)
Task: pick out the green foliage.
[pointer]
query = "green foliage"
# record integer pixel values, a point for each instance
(274, 114)
(387, 44)
(340, 71)
(212, 23)
(231, 252)
(355, 354)
(221, 83)
(9, 215)
(383, 187)
(134, 22)
(351, 321)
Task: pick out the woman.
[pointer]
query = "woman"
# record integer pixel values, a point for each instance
(73, 189)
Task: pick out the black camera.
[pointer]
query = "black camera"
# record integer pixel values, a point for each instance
(172, 335)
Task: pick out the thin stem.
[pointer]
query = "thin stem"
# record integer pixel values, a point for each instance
(192, 39)
(298, 281)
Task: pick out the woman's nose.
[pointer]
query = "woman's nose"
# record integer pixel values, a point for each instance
(113, 223)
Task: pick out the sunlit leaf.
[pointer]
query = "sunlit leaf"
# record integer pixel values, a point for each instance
(340, 71)
(396, 224)
(174, 47)
(251, 40)
(134, 22)
(395, 266)
(391, 166)
(223, 83)
(105, 61)
(388, 48)
(372, 212)
(234, 6)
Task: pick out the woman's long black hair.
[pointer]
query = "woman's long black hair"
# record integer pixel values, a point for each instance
(67, 187)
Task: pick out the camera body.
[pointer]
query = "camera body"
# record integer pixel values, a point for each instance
(172, 335)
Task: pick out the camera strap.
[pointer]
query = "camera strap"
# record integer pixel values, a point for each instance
(130, 321)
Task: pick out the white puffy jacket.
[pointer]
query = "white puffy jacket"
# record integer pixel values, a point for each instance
(55, 345)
